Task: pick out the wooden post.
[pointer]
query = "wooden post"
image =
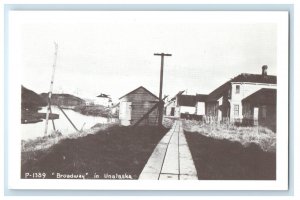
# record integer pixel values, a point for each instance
(52, 121)
(50, 90)
(161, 106)
(67, 118)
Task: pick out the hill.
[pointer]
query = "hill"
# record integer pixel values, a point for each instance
(65, 100)
(30, 99)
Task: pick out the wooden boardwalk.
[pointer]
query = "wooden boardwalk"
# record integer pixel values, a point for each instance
(171, 158)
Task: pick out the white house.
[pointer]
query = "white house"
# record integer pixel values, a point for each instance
(186, 106)
(104, 100)
(225, 102)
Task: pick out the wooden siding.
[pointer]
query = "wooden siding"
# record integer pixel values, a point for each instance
(141, 102)
(141, 108)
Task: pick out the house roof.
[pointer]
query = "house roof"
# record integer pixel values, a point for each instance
(201, 97)
(103, 95)
(187, 100)
(255, 78)
(179, 93)
(141, 87)
(264, 96)
(244, 77)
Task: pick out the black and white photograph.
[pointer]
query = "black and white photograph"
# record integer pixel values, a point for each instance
(149, 95)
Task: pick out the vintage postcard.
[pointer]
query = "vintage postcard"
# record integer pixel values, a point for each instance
(148, 100)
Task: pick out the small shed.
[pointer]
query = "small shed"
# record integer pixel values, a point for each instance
(135, 104)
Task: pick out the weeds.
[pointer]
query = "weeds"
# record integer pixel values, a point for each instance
(262, 136)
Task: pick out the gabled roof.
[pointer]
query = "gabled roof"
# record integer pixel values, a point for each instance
(263, 96)
(246, 78)
(141, 87)
(255, 78)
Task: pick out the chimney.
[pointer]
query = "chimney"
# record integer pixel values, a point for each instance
(264, 70)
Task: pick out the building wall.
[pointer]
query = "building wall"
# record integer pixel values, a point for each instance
(200, 108)
(138, 103)
(187, 109)
(266, 115)
(212, 108)
(246, 89)
(169, 107)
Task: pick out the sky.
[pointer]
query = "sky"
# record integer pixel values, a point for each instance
(112, 52)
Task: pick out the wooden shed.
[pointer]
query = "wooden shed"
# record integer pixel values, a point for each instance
(135, 104)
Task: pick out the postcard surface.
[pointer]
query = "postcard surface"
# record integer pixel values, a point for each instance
(148, 100)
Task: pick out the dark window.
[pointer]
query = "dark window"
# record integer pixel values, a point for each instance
(237, 89)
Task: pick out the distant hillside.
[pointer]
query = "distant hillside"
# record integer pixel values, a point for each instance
(30, 99)
(64, 99)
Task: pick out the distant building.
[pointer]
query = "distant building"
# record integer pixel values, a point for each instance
(89, 102)
(135, 104)
(170, 106)
(115, 109)
(227, 101)
(104, 100)
(247, 98)
(186, 106)
(200, 104)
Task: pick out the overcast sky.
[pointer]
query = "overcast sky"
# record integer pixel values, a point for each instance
(112, 53)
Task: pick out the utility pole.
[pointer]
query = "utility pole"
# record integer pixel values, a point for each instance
(50, 90)
(161, 105)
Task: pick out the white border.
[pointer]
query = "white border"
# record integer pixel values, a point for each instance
(282, 136)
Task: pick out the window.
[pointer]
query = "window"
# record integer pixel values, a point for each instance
(237, 89)
(236, 110)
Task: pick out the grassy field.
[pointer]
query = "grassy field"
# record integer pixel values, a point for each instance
(228, 152)
(221, 159)
(262, 136)
(116, 150)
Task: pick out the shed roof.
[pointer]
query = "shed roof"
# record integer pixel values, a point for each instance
(263, 96)
(141, 87)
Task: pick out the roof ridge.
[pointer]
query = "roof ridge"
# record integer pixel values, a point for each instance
(137, 89)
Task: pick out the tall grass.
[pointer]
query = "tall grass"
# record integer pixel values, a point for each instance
(262, 136)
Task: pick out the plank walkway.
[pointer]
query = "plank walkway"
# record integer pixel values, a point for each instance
(171, 158)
